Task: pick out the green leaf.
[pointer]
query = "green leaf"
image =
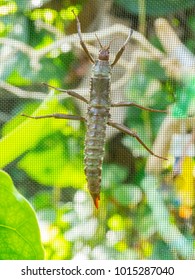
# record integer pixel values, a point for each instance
(127, 195)
(155, 70)
(191, 23)
(157, 8)
(131, 143)
(19, 232)
(145, 88)
(30, 131)
(15, 58)
(162, 251)
(43, 200)
(53, 68)
(54, 165)
(113, 174)
(28, 109)
(116, 222)
(24, 6)
(184, 98)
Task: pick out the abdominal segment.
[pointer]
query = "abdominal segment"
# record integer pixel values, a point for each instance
(94, 149)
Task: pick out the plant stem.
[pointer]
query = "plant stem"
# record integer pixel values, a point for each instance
(142, 16)
(147, 125)
(142, 30)
(56, 195)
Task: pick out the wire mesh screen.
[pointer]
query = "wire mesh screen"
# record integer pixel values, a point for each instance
(134, 112)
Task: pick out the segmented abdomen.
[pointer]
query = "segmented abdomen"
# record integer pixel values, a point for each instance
(97, 118)
(94, 147)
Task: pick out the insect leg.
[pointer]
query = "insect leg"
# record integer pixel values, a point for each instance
(121, 104)
(81, 39)
(120, 52)
(56, 116)
(69, 92)
(133, 134)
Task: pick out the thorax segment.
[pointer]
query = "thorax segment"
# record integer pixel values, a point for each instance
(100, 84)
(101, 69)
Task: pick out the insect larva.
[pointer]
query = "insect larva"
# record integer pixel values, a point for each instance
(98, 116)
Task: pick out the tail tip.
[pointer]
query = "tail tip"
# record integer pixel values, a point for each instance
(96, 198)
(96, 202)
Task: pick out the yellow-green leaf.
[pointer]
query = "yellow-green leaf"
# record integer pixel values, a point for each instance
(19, 231)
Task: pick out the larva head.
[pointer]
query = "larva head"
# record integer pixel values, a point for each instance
(104, 51)
(104, 54)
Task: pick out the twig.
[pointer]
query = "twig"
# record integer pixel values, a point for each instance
(22, 93)
(50, 28)
(36, 55)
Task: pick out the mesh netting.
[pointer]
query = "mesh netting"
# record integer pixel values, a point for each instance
(146, 207)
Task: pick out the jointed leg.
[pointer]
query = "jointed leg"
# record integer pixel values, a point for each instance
(120, 52)
(56, 116)
(69, 92)
(133, 134)
(121, 104)
(81, 39)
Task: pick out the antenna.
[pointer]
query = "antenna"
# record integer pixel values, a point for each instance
(99, 41)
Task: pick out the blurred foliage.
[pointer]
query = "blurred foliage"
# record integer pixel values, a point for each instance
(184, 184)
(184, 101)
(19, 234)
(156, 8)
(140, 217)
